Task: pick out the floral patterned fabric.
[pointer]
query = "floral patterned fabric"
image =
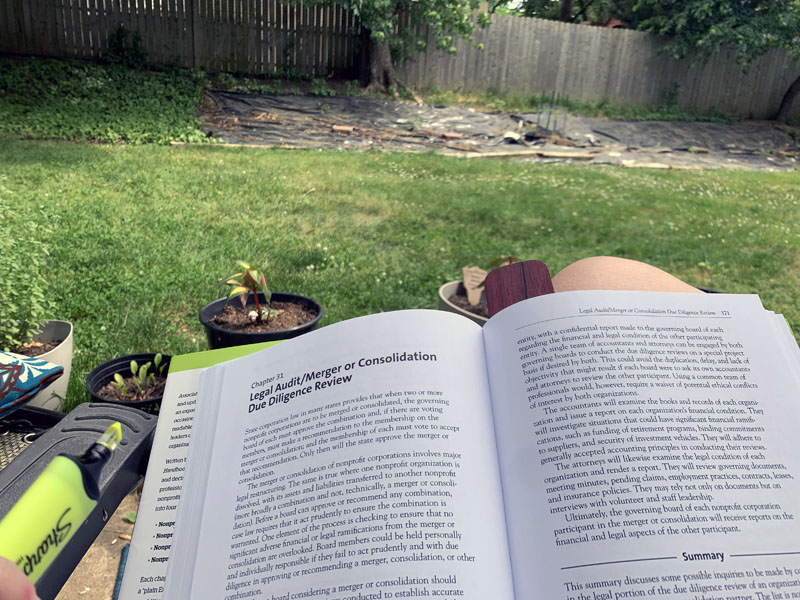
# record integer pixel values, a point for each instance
(21, 378)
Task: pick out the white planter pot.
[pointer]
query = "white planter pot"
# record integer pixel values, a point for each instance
(52, 397)
(447, 290)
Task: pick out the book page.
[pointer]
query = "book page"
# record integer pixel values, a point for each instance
(648, 446)
(358, 461)
(146, 565)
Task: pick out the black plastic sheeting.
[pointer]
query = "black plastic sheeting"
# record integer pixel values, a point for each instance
(361, 122)
(308, 121)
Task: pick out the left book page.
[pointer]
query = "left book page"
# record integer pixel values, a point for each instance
(355, 462)
(146, 566)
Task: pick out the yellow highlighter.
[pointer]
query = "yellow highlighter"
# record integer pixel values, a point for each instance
(50, 511)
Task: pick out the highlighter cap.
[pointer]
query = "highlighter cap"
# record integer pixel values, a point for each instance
(112, 437)
(92, 461)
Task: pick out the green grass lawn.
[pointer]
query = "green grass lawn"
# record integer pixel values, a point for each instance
(143, 233)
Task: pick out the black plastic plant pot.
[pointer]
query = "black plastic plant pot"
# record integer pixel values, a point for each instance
(103, 375)
(225, 338)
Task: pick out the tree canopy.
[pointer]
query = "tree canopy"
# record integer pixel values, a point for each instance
(578, 11)
(386, 39)
(750, 27)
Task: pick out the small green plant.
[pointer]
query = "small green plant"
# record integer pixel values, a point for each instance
(352, 88)
(226, 80)
(125, 49)
(254, 86)
(319, 87)
(141, 376)
(250, 281)
(119, 384)
(288, 70)
(671, 95)
(414, 124)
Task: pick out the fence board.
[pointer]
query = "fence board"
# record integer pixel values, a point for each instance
(26, 26)
(106, 24)
(6, 41)
(76, 12)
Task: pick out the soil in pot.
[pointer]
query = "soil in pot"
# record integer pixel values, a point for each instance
(154, 391)
(235, 318)
(34, 349)
(460, 300)
(99, 382)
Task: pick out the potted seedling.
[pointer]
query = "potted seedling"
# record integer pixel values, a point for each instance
(466, 296)
(135, 380)
(260, 315)
(27, 307)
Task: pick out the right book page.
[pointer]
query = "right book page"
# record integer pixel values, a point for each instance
(648, 446)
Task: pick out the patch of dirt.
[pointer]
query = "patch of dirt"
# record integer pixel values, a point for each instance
(481, 309)
(288, 315)
(361, 122)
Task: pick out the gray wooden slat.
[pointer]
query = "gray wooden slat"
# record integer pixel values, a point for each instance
(8, 39)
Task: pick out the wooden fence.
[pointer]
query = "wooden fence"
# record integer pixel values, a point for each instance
(526, 56)
(249, 36)
(534, 56)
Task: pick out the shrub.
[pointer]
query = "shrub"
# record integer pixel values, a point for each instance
(26, 302)
(125, 49)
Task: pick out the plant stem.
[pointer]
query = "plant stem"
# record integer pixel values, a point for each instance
(258, 307)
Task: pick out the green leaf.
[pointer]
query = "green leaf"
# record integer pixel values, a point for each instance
(238, 291)
(130, 517)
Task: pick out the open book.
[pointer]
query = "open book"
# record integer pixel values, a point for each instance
(582, 445)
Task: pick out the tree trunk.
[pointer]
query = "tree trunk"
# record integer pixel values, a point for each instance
(381, 70)
(377, 69)
(375, 63)
(364, 44)
(788, 99)
(566, 11)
